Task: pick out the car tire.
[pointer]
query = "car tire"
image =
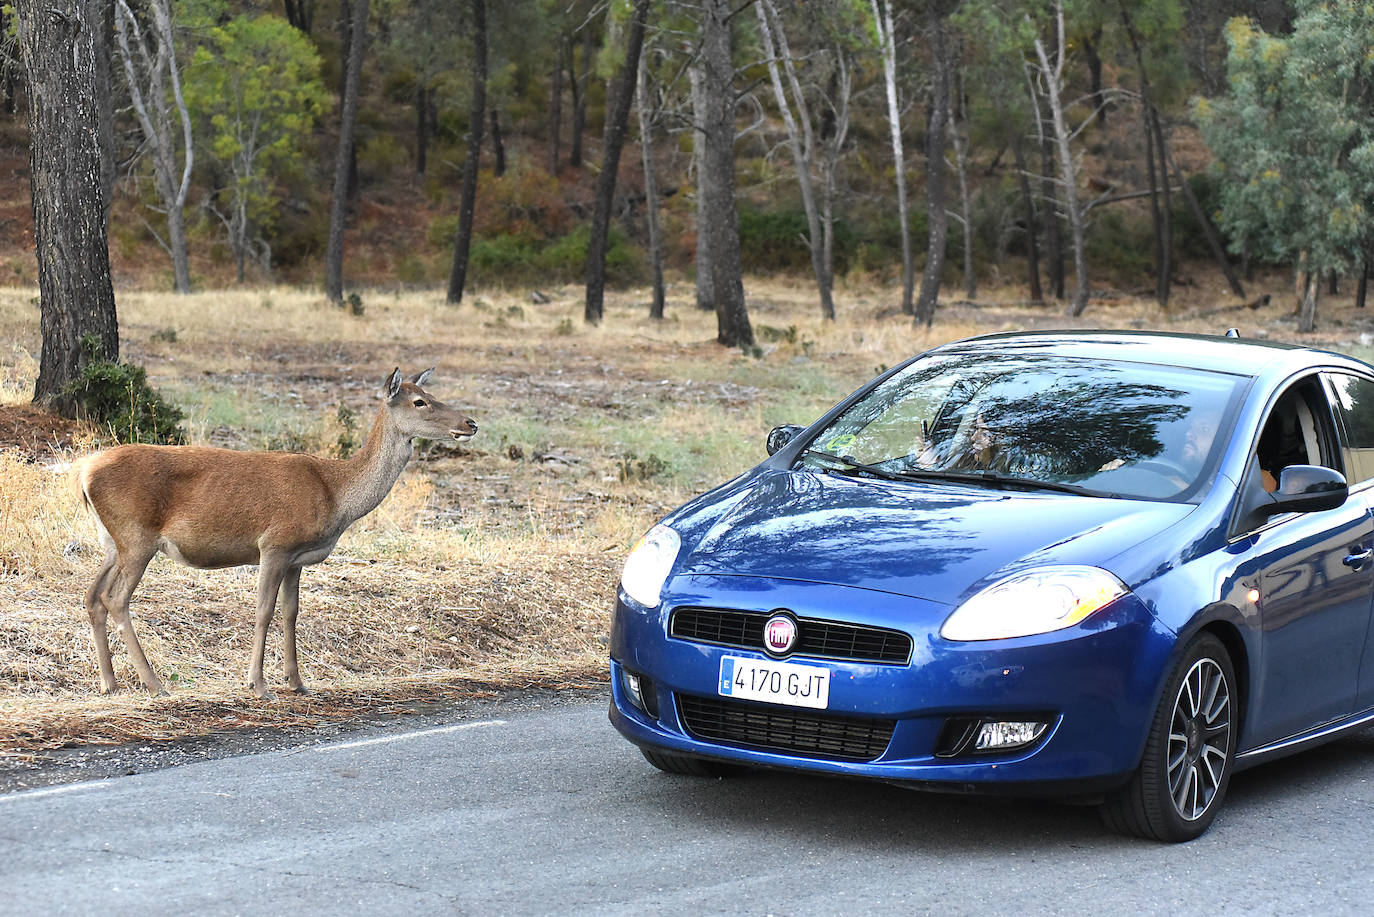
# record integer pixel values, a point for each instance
(687, 766)
(1189, 755)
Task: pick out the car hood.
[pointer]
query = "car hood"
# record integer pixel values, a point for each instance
(929, 540)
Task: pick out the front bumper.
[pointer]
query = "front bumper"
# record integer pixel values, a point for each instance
(1095, 685)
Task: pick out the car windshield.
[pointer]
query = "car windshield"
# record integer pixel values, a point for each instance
(1110, 428)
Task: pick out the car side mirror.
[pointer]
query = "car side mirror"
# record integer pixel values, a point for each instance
(781, 435)
(1301, 489)
(1308, 489)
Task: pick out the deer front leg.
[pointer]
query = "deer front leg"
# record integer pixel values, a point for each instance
(98, 613)
(290, 605)
(128, 571)
(271, 571)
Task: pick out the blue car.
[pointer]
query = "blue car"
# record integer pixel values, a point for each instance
(1114, 567)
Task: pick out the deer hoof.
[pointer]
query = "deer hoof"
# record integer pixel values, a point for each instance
(262, 691)
(299, 689)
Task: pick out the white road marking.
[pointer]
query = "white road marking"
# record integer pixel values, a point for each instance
(55, 790)
(404, 736)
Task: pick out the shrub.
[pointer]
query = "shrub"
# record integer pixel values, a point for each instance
(1120, 245)
(117, 396)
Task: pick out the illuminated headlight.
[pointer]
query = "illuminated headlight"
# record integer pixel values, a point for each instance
(648, 564)
(1034, 602)
(1004, 736)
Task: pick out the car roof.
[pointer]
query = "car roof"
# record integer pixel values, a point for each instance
(1240, 356)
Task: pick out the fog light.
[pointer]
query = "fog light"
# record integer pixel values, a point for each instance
(630, 682)
(1004, 735)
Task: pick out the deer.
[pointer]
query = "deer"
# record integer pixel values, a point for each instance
(213, 508)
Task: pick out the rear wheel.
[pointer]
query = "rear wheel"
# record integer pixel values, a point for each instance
(687, 766)
(1189, 755)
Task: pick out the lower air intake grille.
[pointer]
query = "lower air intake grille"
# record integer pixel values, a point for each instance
(811, 734)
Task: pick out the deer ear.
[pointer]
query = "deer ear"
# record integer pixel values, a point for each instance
(421, 378)
(393, 384)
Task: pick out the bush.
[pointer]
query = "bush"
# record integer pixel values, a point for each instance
(775, 240)
(566, 258)
(1120, 245)
(117, 396)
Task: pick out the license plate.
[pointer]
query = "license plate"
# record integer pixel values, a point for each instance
(775, 682)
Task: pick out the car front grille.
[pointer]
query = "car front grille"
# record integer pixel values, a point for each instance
(799, 733)
(820, 639)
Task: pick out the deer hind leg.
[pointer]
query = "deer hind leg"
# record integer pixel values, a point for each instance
(271, 572)
(128, 571)
(290, 606)
(98, 613)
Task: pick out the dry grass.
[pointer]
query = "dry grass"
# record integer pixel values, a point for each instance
(489, 566)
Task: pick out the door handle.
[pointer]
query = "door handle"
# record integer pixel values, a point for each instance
(1358, 557)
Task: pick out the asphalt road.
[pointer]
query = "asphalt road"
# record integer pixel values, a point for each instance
(548, 811)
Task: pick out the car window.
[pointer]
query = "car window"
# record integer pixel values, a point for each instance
(1353, 397)
(1296, 432)
(1121, 428)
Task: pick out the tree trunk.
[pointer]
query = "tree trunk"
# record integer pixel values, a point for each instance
(935, 171)
(498, 144)
(719, 204)
(801, 140)
(1032, 224)
(1307, 309)
(1363, 286)
(888, 41)
(646, 149)
(149, 64)
(421, 129)
(1209, 231)
(580, 84)
(706, 293)
(76, 299)
(556, 106)
(1090, 44)
(959, 138)
(462, 241)
(300, 14)
(1053, 80)
(338, 206)
(1159, 175)
(617, 120)
(104, 73)
(1054, 233)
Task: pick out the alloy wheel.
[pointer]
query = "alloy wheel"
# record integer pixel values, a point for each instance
(1199, 739)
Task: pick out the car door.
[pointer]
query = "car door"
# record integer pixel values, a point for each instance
(1352, 397)
(1314, 587)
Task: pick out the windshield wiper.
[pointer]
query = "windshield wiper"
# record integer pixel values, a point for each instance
(846, 465)
(981, 478)
(999, 480)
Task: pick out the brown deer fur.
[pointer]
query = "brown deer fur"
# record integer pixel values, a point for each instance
(215, 508)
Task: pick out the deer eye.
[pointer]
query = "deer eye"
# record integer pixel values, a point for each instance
(419, 402)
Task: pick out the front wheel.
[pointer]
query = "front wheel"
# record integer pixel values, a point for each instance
(1175, 793)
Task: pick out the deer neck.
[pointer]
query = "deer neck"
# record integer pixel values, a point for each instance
(373, 471)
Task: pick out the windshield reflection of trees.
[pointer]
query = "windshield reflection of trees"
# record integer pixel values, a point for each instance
(1050, 421)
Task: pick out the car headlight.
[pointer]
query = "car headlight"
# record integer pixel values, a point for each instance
(648, 564)
(1034, 602)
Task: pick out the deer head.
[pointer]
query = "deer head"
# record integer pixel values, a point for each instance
(418, 414)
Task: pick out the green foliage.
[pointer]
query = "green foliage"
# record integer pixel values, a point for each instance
(253, 88)
(1121, 245)
(117, 396)
(1294, 138)
(775, 240)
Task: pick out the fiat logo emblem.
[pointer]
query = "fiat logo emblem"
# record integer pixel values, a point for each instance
(779, 634)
